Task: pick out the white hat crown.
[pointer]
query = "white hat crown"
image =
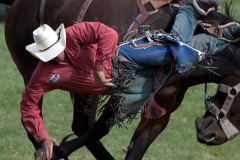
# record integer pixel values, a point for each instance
(44, 37)
(48, 43)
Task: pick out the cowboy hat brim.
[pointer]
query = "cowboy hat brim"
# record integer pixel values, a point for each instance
(51, 52)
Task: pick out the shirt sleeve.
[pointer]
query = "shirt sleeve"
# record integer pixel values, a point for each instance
(97, 33)
(30, 113)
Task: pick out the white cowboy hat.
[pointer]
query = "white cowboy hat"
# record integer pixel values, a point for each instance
(48, 43)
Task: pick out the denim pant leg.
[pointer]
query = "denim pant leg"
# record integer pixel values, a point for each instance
(185, 23)
(208, 44)
(135, 95)
(134, 85)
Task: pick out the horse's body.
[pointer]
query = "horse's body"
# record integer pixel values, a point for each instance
(23, 18)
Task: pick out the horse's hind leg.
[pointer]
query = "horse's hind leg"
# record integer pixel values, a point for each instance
(82, 122)
(146, 132)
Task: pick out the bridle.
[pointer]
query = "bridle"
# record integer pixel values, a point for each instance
(221, 114)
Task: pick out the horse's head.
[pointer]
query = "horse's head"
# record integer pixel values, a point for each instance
(221, 121)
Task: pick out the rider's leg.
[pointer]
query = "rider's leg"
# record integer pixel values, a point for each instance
(184, 27)
(188, 14)
(185, 23)
(210, 45)
(133, 96)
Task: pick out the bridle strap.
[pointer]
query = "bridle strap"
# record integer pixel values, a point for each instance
(229, 129)
(232, 93)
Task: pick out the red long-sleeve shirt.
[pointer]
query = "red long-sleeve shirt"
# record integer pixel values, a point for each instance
(90, 46)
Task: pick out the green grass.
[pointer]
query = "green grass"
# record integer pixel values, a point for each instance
(235, 8)
(177, 142)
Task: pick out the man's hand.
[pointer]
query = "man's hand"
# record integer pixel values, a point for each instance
(101, 79)
(47, 148)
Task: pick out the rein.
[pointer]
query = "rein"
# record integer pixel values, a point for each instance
(221, 114)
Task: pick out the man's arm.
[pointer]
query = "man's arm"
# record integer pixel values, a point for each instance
(32, 120)
(101, 79)
(106, 38)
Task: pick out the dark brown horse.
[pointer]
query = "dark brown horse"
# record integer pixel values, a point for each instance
(23, 18)
(117, 14)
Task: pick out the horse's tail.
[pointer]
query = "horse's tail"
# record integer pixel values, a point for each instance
(7, 2)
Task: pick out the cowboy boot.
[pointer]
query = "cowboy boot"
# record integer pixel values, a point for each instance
(203, 6)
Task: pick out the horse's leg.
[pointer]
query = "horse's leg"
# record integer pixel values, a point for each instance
(146, 132)
(99, 130)
(82, 122)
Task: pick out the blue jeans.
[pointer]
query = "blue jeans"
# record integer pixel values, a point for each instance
(136, 81)
(184, 27)
(133, 84)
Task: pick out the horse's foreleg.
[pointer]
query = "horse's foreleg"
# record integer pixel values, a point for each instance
(99, 129)
(146, 132)
(82, 122)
